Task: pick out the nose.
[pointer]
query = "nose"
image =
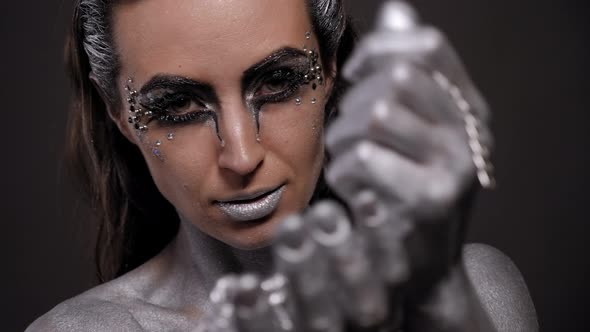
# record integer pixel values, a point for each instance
(241, 153)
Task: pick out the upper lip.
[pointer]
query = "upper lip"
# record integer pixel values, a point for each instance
(248, 196)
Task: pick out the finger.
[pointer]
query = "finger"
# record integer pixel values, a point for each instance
(399, 38)
(424, 47)
(361, 293)
(381, 47)
(409, 86)
(216, 319)
(292, 245)
(387, 123)
(329, 224)
(253, 312)
(443, 148)
(405, 185)
(298, 257)
(385, 229)
(396, 22)
(366, 165)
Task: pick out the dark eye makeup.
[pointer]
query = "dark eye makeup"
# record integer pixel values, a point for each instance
(172, 100)
(279, 85)
(171, 107)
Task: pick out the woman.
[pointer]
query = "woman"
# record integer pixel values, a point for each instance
(198, 126)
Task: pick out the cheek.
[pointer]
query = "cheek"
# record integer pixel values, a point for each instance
(295, 133)
(183, 161)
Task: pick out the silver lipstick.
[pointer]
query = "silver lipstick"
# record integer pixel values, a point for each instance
(247, 209)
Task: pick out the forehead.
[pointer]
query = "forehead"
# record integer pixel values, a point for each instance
(193, 37)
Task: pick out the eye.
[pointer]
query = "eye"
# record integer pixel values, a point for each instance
(277, 82)
(176, 108)
(180, 104)
(174, 104)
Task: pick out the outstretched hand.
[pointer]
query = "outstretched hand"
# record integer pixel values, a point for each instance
(409, 143)
(412, 131)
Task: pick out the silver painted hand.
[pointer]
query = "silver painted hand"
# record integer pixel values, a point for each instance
(399, 132)
(402, 159)
(409, 143)
(402, 135)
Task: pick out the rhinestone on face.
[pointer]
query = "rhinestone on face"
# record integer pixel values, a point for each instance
(135, 112)
(170, 136)
(298, 101)
(313, 100)
(308, 35)
(314, 73)
(158, 143)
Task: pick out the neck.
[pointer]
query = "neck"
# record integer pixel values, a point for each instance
(201, 257)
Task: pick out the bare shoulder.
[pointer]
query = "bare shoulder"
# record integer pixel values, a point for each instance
(500, 287)
(141, 300)
(96, 310)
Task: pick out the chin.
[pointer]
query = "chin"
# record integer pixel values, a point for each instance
(254, 235)
(250, 245)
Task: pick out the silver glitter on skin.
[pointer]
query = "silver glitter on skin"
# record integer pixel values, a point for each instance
(252, 210)
(169, 292)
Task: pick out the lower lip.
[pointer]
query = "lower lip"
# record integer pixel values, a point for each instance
(253, 210)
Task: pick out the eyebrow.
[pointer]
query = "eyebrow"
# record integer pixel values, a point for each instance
(272, 59)
(173, 82)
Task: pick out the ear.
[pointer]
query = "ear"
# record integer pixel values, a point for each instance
(115, 115)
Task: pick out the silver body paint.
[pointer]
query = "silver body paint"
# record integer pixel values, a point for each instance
(252, 209)
(170, 291)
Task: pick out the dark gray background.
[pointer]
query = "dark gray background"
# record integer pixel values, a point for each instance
(529, 58)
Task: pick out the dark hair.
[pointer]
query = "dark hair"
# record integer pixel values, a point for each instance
(135, 221)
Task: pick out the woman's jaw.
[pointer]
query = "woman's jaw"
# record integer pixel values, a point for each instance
(241, 228)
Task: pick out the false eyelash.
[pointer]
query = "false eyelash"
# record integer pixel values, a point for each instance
(295, 80)
(195, 116)
(161, 103)
(158, 110)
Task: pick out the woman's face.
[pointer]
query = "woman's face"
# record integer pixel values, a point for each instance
(234, 135)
